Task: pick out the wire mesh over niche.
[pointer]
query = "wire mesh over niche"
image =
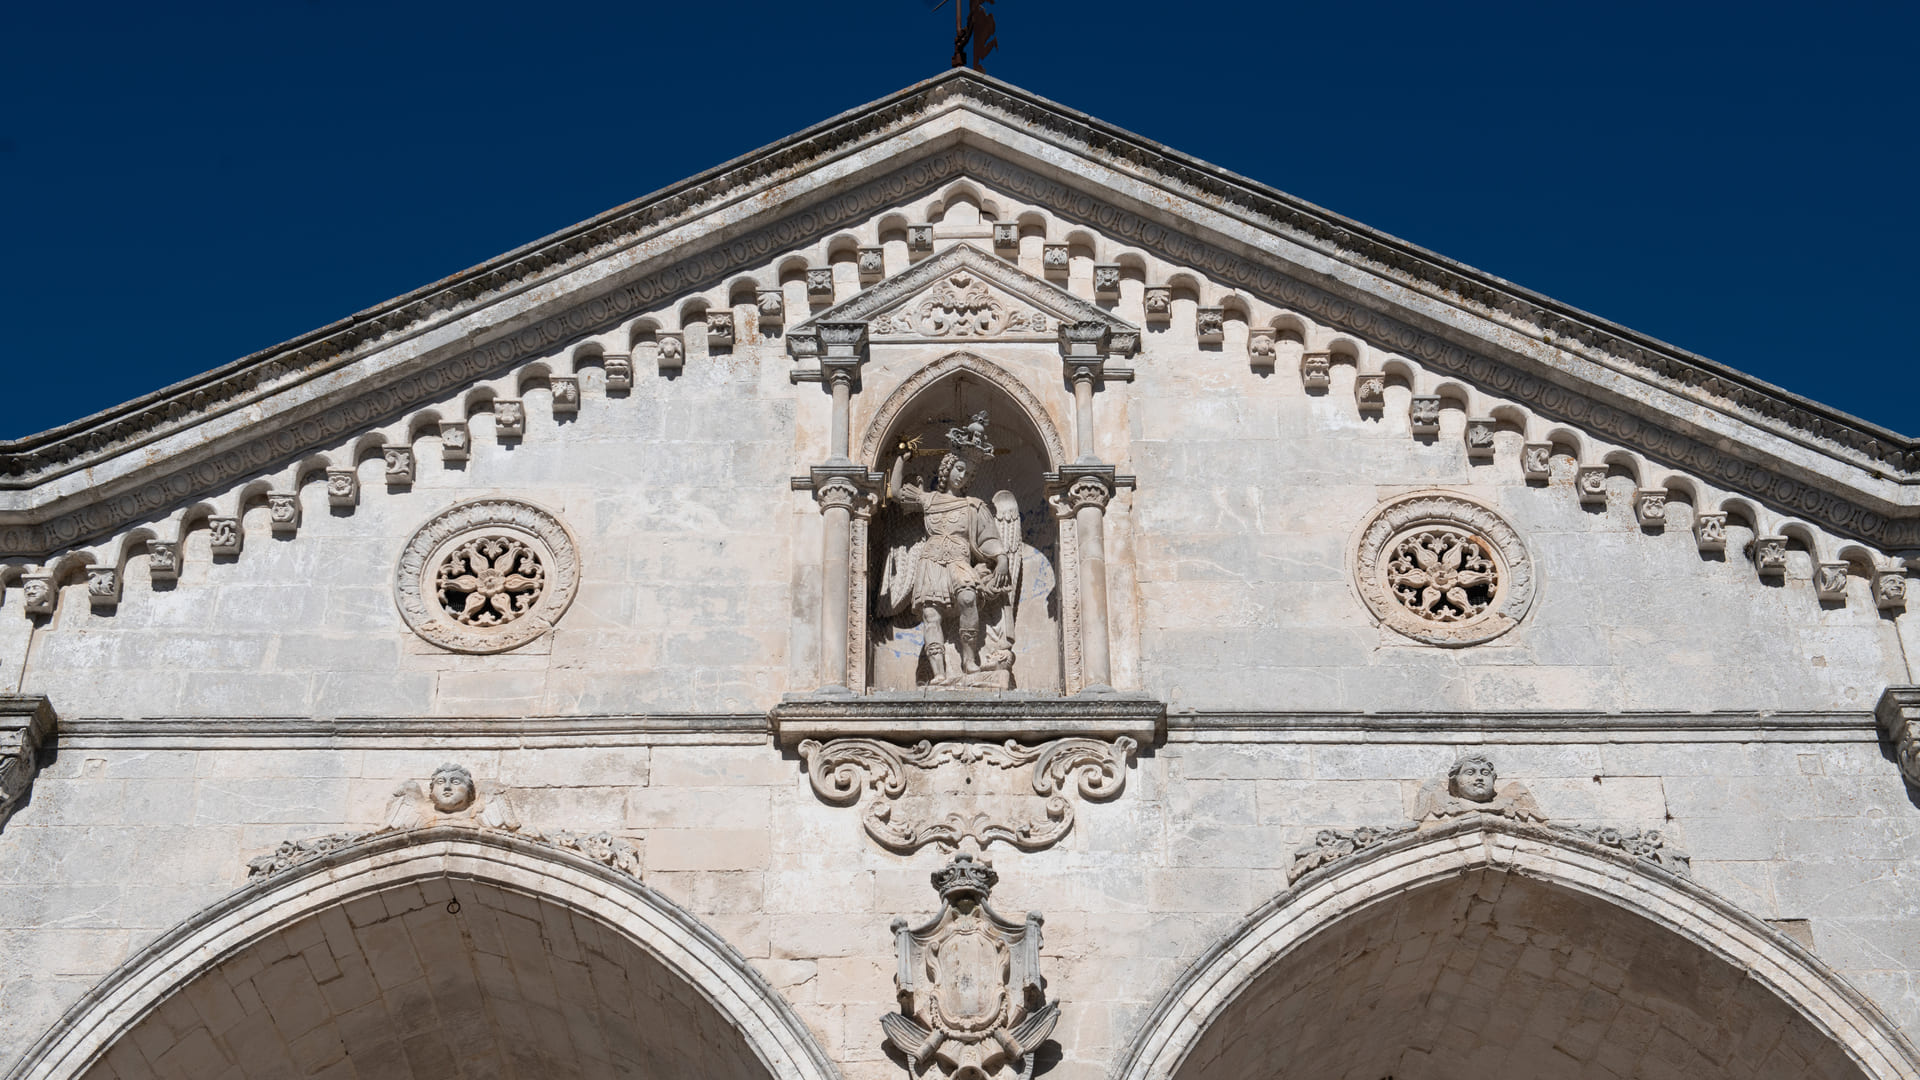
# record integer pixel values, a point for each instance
(964, 559)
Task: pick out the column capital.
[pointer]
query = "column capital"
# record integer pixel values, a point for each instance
(1898, 714)
(1084, 484)
(1087, 346)
(848, 486)
(840, 346)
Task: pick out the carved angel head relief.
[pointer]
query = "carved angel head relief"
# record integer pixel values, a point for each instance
(1443, 569)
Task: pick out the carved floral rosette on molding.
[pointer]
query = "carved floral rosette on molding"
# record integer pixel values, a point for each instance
(486, 576)
(948, 792)
(1441, 568)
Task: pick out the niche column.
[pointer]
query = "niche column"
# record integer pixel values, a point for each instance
(846, 492)
(1083, 488)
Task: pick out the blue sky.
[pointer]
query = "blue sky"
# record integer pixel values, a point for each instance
(181, 187)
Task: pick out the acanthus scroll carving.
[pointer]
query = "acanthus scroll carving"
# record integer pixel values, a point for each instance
(955, 794)
(960, 306)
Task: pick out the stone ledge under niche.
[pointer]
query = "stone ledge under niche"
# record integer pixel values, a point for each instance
(912, 715)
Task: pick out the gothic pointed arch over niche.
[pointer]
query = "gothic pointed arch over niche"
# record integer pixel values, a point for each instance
(1493, 948)
(441, 952)
(964, 560)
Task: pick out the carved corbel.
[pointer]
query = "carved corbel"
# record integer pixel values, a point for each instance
(26, 723)
(1210, 324)
(920, 237)
(225, 535)
(1423, 414)
(1890, 589)
(1054, 260)
(103, 586)
(566, 393)
(619, 369)
(509, 418)
(456, 442)
(1830, 580)
(1591, 483)
(1370, 393)
(720, 326)
(1770, 555)
(1479, 437)
(1158, 301)
(820, 285)
(670, 351)
(770, 307)
(1650, 507)
(1316, 370)
(38, 594)
(1536, 460)
(163, 560)
(283, 512)
(1710, 532)
(1106, 281)
(399, 465)
(1006, 234)
(1898, 715)
(873, 264)
(343, 487)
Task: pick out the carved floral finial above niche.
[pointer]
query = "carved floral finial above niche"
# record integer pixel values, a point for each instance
(1472, 787)
(957, 794)
(450, 797)
(972, 999)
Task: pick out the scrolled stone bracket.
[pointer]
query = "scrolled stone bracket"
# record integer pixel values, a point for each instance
(1898, 716)
(952, 794)
(27, 722)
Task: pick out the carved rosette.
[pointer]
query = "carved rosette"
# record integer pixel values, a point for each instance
(948, 793)
(487, 576)
(1441, 568)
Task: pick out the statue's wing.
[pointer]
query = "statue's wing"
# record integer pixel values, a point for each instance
(1034, 1030)
(403, 809)
(901, 571)
(910, 1038)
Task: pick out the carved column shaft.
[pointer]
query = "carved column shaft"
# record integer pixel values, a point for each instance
(1083, 411)
(1088, 496)
(836, 569)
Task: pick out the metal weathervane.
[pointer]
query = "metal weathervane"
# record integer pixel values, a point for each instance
(976, 31)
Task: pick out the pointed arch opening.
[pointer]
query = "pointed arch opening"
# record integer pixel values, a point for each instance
(1490, 949)
(912, 424)
(444, 952)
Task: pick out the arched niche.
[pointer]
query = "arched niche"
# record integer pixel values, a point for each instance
(438, 953)
(1028, 449)
(1490, 949)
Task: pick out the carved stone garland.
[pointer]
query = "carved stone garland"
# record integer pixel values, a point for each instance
(487, 576)
(951, 792)
(1443, 569)
(1472, 788)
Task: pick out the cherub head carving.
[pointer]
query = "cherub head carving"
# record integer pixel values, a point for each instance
(1472, 778)
(451, 788)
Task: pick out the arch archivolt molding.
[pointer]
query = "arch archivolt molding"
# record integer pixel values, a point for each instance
(777, 1037)
(896, 402)
(1322, 900)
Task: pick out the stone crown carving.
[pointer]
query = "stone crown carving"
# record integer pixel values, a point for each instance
(486, 576)
(450, 797)
(962, 292)
(1441, 568)
(972, 998)
(967, 793)
(1472, 787)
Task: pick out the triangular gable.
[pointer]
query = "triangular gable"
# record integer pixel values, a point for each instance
(966, 294)
(91, 479)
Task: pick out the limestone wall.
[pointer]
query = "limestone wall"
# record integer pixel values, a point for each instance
(120, 841)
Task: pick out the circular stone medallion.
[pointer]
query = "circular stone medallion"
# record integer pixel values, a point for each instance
(1443, 569)
(487, 576)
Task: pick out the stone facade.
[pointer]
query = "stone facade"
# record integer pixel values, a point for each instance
(1000, 504)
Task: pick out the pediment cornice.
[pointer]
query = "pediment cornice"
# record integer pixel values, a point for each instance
(85, 480)
(963, 293)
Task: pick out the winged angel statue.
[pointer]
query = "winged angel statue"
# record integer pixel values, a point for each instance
(960, 569)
